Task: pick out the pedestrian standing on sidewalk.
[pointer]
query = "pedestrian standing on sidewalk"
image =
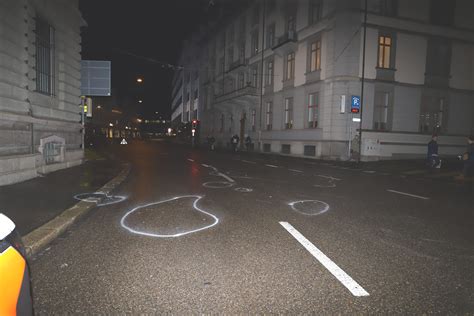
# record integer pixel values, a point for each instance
(248, 142)
(432, 157)
(468, 159)
(234, 141)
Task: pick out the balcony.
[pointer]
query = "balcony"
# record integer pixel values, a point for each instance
(286, 43)
(243, 96)
(237, 65)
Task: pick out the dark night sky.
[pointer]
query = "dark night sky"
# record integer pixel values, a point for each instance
(150, 28)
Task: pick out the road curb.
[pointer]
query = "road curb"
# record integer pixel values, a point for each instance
(42, 236)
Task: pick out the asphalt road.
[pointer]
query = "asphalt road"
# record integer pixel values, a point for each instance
(214, 232)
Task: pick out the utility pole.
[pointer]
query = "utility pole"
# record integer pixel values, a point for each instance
(362, 81)
(261, 71)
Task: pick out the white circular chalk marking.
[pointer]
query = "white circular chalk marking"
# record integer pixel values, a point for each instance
(243, 190)
(218, 184)
(100, 198)
(309, 207)
(148, 234)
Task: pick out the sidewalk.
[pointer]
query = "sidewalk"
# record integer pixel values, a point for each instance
(33, 203)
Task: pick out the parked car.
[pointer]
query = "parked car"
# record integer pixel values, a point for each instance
(15, 288)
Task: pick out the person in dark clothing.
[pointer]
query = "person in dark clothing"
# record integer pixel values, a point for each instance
(432, 157)
(468, 159)
(235, 142)
(248, 142)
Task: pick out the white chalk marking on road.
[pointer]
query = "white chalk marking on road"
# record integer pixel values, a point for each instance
(243, 190)
(329, 177)
(408, 194)
(368, 171)
(329, 185)
(247, 161)
(272, 166)
(218, 184)
(220, 174)
(295, 170)
(100, 198)
(343, 277)
(195, 206)
(191, 160)
(317, 211)
(204, 165)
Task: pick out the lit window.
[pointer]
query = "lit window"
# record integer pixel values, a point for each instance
(269, 115)
(385, 46)
(290, 66)
(289, 113)
(315, 56)
(313, 110)
(269, 76)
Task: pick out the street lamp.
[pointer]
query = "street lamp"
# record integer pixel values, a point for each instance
(139, 80)
(140, 101)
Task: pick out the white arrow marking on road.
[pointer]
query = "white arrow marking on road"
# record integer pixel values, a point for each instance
(343, 277)
(225, 177)
(408, 194)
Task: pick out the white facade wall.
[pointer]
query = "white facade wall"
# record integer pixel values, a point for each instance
(26, 116)
(340, 75)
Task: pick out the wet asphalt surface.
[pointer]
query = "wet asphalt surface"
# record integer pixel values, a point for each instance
(200, 232)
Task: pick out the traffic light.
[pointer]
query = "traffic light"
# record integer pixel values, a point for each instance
(195, 123)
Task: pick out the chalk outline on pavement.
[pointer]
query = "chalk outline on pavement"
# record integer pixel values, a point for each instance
(195, 206)
(332, 267)
(324, 210)
(119, 198)
(218, 184)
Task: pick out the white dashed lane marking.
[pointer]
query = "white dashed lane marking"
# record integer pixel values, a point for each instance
(328, 177)
(343, 277)
(247, 161)
(409, 194)
(272, 166)
(295, 170)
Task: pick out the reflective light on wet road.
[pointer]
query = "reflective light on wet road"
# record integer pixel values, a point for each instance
(343, 277)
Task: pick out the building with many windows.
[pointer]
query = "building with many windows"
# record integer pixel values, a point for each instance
(40, 129)
(285, 73)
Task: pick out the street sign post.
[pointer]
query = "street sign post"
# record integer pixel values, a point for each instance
(355, 104)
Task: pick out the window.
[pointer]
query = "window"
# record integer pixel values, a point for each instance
(222, 122)
(195, 94)
(381, 107)
(255, 15)
(290, 22)
(269, 76)
(313, 110)
(315, 11)
(231, 120)
(242, 52)
(45, 59)
(254, 76)
(254, 43)
(289, 113)
(442, 12)
(385, 46)
(315, 56)
(241, 80)
(438, 58)
(253, 119)
(187, 96)
(221, 65)
(230, 56)
(269, 115)
(271, 36)
(432, 114)
(290, 66)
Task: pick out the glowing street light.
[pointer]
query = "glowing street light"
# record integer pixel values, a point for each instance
(139, 80)
(140, 101)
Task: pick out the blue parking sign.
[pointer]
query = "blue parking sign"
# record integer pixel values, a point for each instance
(355, 104)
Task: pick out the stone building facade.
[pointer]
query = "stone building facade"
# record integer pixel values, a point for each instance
(40, 46)
(284, 73)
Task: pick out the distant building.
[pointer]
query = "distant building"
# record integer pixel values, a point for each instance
(284, 72)
(40, 46)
